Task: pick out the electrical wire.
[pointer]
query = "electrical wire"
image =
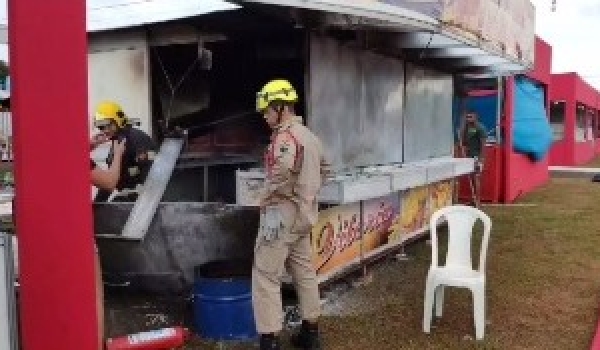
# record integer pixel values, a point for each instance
(173, 88)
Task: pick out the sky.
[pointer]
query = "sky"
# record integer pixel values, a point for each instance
(571, 30)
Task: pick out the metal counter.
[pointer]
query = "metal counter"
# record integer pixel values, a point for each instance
(366, 183)
(181, 236)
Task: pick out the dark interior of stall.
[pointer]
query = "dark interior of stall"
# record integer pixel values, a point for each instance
(209, 88)
(477, 95)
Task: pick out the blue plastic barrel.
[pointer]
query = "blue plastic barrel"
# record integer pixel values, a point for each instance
(223, 301)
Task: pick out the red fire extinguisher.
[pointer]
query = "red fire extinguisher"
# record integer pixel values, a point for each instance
(166, 338)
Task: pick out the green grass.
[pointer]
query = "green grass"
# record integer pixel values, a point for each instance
(543, 284)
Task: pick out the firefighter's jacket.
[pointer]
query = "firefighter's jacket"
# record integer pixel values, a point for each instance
(295, 171)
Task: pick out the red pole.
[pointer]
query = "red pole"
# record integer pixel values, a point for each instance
(509, 109)
(53, 214)
(570, 128)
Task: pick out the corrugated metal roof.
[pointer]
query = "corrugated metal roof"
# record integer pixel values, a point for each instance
(114, 14)
(413, 30)
(390, 15)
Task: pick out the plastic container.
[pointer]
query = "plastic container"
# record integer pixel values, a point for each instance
(223, 301)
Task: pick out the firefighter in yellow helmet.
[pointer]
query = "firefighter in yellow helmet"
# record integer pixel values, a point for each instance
(139, 152)
(295, 169)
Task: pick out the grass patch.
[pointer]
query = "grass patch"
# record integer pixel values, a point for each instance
(543, 287)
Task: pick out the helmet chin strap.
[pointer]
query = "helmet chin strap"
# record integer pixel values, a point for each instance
(279, 110)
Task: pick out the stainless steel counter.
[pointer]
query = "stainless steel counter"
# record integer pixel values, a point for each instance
(367, 183)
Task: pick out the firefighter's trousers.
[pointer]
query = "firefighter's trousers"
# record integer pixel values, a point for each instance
(290, 250)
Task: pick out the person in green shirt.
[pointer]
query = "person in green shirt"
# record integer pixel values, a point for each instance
(472, 144)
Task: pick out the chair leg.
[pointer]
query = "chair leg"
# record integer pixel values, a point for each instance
(439, 301)
(428, 307)
(479, 312)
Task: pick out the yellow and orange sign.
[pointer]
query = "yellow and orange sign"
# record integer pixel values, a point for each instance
(441, 195)
(414, 210)
(336, 238)
(379, 215)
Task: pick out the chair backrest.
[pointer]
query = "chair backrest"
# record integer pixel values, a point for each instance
(460, 219)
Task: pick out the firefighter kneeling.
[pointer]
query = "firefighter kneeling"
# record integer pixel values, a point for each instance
(295, 169)
(139, 153)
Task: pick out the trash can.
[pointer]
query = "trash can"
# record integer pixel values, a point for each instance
(222, 301)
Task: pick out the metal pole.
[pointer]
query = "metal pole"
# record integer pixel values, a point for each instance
(48, 48)
(509, 100)
(470, 177)
(8, 318)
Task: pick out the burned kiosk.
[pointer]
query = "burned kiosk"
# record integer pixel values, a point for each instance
(376, 85)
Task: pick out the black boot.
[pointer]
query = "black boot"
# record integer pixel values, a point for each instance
(308, 337)
(269, 342)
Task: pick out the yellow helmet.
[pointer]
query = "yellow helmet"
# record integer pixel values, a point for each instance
(275, 90)
(109, 111)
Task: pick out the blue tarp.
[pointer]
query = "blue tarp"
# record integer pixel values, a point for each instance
(532, 134)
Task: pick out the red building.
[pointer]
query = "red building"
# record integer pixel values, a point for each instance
(523, 175)
(574, 119)
(508, 174)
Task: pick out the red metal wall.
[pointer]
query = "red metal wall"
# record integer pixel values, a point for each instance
(572, 89)
(508, 175)
(52, 204)
(558, 153)
(521, 175)
(543, 61)
(525, 176)
(597, 106)
(492, 184)
(584, 152)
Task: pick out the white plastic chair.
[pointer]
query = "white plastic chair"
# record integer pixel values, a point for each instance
(458, 271)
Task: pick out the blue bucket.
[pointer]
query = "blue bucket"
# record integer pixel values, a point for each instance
(223, 301)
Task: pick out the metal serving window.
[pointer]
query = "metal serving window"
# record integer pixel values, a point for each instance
(356, 103)
(428, 114)
(581, 124)
(557, 119)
